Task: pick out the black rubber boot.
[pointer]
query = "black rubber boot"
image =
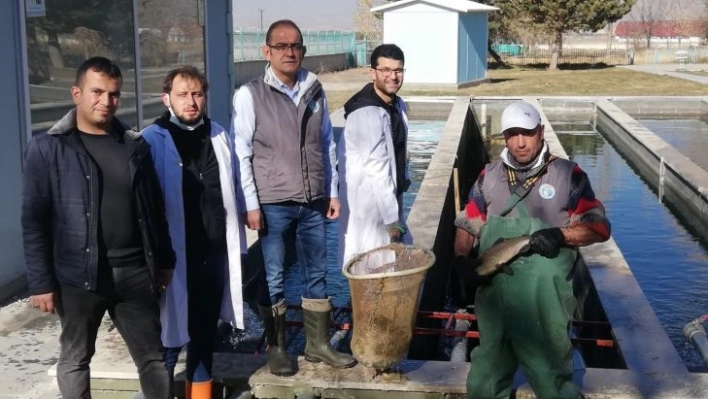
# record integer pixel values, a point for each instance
(274, 323)
(316, 318)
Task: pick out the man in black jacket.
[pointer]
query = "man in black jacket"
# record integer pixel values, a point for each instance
(95, 235)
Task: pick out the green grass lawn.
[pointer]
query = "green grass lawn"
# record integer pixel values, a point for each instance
(541, 82)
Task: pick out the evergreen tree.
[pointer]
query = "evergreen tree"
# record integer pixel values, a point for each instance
(559, 16)
(509, 24)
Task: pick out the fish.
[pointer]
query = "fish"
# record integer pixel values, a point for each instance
(497, 257)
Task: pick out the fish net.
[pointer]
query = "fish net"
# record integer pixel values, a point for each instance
(385, 286)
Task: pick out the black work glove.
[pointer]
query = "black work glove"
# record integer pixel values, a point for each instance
(396, 231)
(465, 268)
(547, 242)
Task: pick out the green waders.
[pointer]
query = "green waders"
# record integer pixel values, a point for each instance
(523, 319)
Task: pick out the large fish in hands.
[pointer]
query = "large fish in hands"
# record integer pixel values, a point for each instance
(498, 256)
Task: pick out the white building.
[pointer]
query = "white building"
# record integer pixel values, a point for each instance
(444, 41)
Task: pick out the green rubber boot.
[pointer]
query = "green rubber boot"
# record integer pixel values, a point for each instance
(316, 318)
(274, 323)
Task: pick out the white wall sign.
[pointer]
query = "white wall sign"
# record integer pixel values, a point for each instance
(35, 8)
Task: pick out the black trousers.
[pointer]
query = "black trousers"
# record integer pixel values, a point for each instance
(205, 286)
(126, 293)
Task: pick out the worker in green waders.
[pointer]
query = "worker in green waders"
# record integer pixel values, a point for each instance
(524, 318)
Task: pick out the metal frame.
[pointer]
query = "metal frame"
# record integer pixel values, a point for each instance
(23, 78)
(219, 59)
(138, 67)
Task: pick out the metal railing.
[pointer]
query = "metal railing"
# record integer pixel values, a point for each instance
(521, 55)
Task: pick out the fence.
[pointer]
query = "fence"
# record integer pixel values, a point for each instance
(363, 50)
(521, 55)
(248, 44)
(693, 55)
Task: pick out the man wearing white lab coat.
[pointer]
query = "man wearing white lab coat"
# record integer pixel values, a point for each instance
(372, 159)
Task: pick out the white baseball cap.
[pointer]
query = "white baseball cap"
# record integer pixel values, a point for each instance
(520, 114)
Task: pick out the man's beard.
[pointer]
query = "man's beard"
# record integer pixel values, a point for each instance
(194, 121)
(180, 118)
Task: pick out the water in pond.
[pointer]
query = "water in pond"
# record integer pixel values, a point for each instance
(689, 136)
(669, 263)
(422, 141)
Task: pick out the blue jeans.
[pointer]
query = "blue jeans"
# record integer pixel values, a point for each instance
(307, 223)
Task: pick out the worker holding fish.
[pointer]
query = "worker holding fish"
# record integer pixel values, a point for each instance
(527, 212)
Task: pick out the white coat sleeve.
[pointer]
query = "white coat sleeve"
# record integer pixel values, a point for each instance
(369, 154)
(243, 126)
(329, 152)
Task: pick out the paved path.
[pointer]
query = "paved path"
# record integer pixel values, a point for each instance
(674, 71)
(29, 345)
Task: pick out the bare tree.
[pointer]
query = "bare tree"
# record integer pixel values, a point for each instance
(681, 16)
(557, 17)
(704, 19)
(646, 15)
(157, 19)
(366, 23)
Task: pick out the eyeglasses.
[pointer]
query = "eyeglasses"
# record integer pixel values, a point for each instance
(295, 47)
(387, 72)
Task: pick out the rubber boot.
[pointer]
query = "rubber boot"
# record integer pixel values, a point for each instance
(200, 390)
(316, 318)
(274, 323)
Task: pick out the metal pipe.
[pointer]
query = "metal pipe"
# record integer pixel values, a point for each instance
(483, 121)
(696, 334)
(459, 343)
(662, 176)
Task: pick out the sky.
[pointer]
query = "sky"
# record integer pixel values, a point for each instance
(337, 14)
(308, 14)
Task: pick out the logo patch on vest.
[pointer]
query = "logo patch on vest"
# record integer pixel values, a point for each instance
(547, 191)
(314, 106)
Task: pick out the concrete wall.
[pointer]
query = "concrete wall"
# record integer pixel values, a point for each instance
(686, 184)
(431, 223)
(431, 54)
(429, 108)
(659, 108)
(247, 70)
(12, 114)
